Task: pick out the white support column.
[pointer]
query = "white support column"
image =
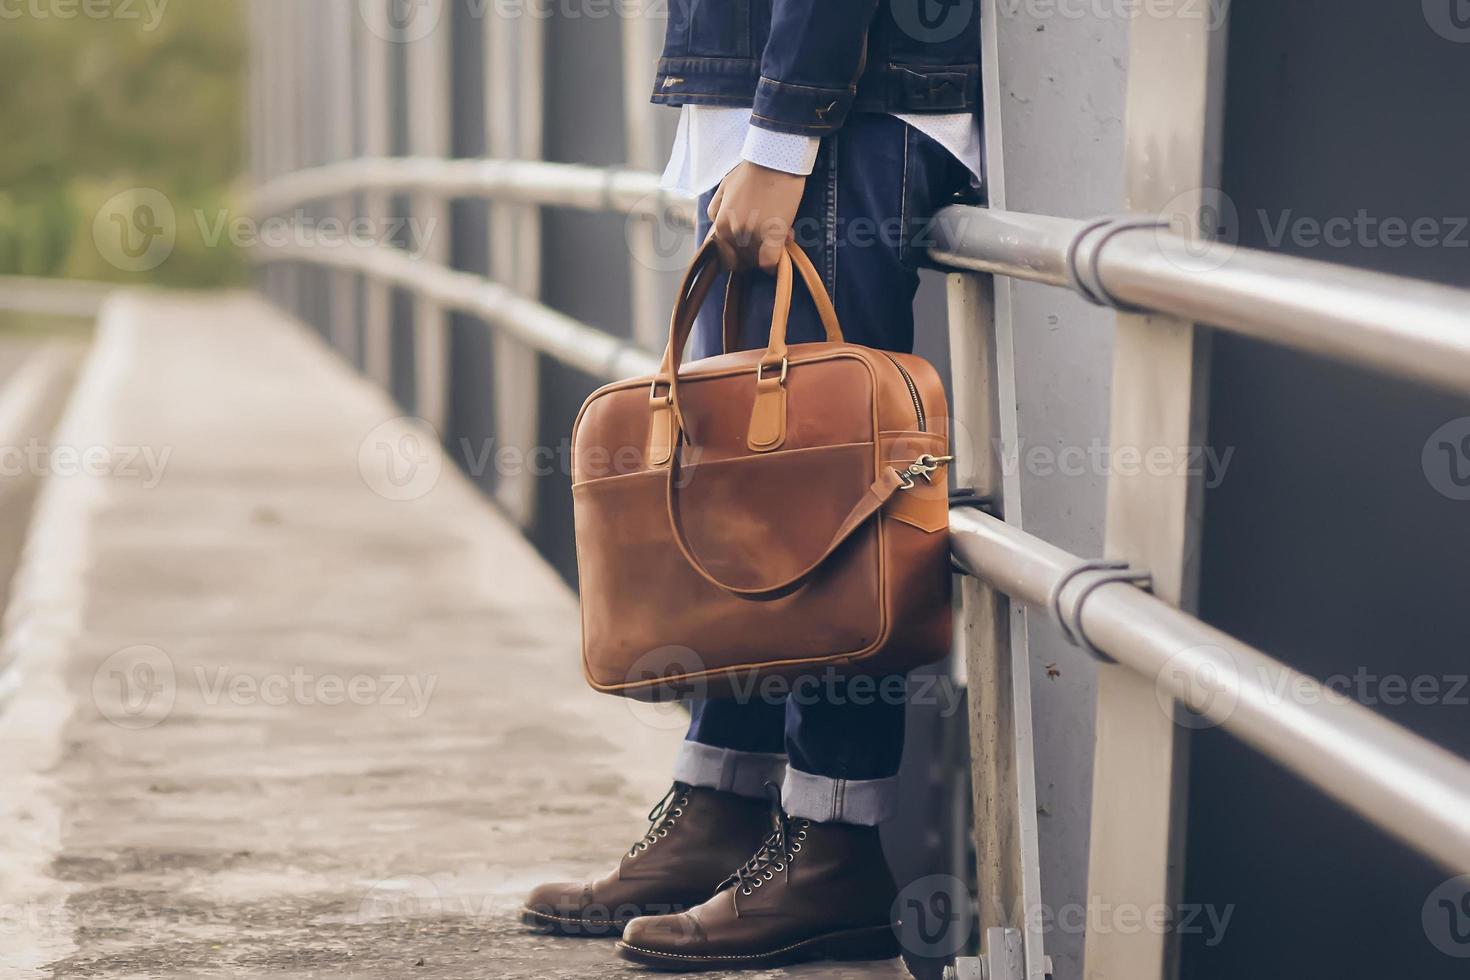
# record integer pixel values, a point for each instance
(373, 82)
(1160, 388)
(429, 136)
(514, 86)
(337, 51)
(994, 633)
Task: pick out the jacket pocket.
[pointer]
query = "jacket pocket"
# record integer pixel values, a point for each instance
(711, 28)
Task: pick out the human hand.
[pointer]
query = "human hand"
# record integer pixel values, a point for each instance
(752, 213)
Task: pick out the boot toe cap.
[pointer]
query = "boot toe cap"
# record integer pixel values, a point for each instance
(558, 897)
(664, 933)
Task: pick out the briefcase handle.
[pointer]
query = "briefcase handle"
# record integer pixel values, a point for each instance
(770, 400)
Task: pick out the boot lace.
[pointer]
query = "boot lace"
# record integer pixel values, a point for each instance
(665, 813)
(776, 852)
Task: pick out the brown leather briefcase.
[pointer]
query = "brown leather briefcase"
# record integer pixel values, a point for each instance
(765, 513)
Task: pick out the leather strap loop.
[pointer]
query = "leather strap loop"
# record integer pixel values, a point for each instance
(872, 500)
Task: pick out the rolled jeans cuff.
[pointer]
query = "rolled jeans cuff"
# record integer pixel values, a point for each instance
(826, 800)
(741, 773)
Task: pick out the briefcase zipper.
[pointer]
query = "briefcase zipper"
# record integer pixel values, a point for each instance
(913, 389)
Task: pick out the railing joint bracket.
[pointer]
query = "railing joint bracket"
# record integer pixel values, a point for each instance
(1102, 571)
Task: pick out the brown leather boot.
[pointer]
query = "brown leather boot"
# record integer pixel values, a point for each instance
(695, 836)
(813, 891)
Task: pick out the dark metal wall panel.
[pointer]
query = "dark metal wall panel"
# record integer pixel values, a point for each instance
(1329, 543)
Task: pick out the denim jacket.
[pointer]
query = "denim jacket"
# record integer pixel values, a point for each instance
(802, 65)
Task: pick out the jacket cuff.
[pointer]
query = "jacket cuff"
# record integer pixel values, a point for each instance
(792, 153)
(784, 107)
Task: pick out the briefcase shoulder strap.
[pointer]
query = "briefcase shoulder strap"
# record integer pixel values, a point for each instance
(888, 483)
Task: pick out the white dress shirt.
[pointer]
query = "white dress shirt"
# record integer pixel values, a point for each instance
(711, 140)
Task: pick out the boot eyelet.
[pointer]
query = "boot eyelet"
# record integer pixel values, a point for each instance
(745, 891)
(796, 846)
(768, 875)
(756, 883)
(780, 867)
(678, 812)
(664, 832)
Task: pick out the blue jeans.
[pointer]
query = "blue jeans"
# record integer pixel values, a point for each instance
(834, 743)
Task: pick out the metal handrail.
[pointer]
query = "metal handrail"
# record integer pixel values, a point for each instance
(80, 298)
(570, 341)
(1413, 789)
(1406, 328)
(565, 185)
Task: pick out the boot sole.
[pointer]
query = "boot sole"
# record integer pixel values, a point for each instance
(850, 945)
(565, 925)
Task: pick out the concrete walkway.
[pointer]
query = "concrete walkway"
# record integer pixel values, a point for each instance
(287, 699)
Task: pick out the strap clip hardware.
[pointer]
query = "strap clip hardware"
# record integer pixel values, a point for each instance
(924, 466)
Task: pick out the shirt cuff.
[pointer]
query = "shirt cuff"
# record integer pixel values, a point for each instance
(789, 152)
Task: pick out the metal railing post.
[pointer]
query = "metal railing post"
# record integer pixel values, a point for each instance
(429, 135)
(994, 634)
(514, 80)
(640, 57)
(375, 140)
(337, 53)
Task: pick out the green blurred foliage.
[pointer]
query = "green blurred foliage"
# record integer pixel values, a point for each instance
(147, 95)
